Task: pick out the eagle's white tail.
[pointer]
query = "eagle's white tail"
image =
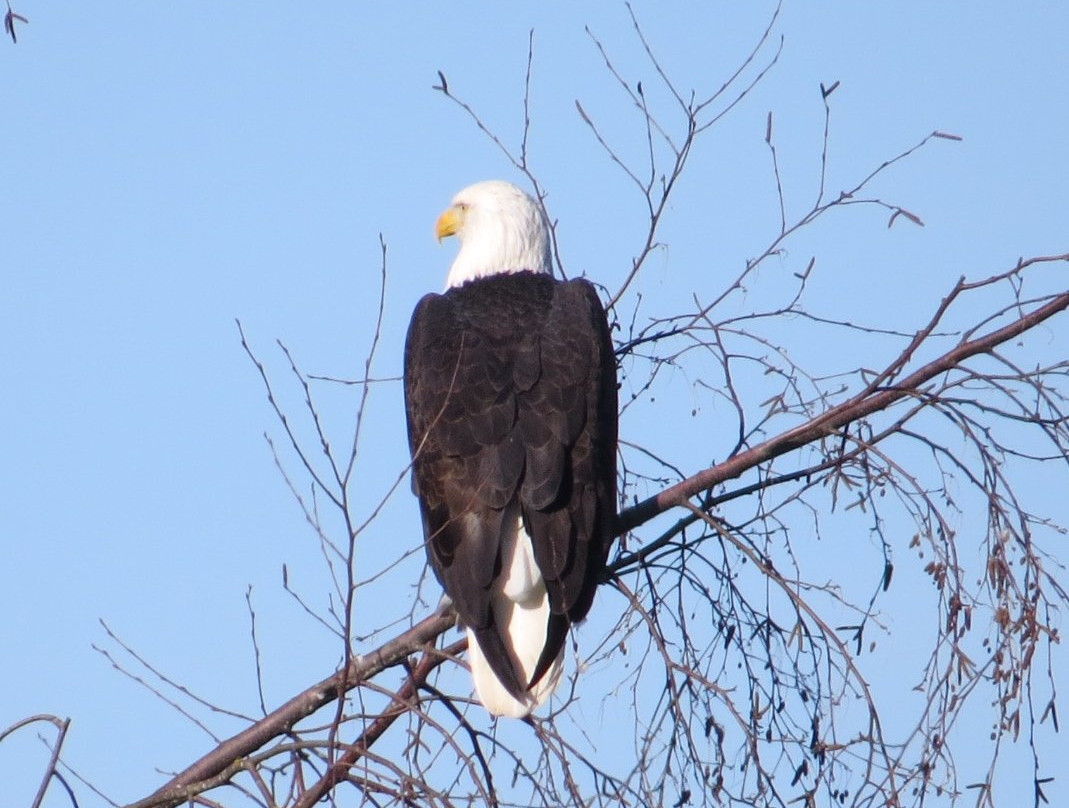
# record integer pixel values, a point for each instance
(520, 603)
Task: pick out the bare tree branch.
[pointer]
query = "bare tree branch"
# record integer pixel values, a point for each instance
(871, 400)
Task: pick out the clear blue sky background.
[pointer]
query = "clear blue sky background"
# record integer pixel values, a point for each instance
(167, 168)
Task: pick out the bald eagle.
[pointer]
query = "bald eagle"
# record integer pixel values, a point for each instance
(510, 392)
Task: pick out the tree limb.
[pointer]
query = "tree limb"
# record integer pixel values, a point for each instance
(857, 407)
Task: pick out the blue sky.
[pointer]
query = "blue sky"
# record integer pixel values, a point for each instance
(169, 168)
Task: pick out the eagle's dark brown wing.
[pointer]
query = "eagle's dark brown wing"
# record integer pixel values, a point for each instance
(510, 389)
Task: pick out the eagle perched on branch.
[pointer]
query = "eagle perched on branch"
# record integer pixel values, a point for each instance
(510, 394)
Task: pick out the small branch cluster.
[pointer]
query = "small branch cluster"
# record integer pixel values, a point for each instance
(55, 746)
(10, 18)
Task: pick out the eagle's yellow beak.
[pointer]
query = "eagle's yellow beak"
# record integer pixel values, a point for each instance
(449, 222)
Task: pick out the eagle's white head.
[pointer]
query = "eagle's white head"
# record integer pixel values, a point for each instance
(501, 229)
